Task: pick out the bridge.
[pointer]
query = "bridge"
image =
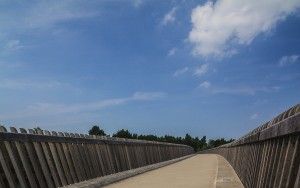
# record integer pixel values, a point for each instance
(268, 156)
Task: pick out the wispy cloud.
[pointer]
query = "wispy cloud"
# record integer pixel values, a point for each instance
(180, 71)
(254, 116)
(288, 60)
(41, 16)
(244, 90)
(217, 26)
(147, 95)
(205, 84)
(11, 46)
(45, 14)
(236, 90)
(18, 84)
(49, 14)
(137, 3)
(201, 70)
(45, 109)
(170, 17)
(172, 52)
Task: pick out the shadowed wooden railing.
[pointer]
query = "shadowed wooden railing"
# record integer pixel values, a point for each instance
(268, 156)
(49, 159)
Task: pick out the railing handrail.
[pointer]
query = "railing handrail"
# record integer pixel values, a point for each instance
(60, 137)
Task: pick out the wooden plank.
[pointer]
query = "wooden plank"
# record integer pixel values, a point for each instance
(64, 164)
(15, 162)
(294, 164)
(77, 162)
(88, 159)
(108, 159)
(56, 161)
(105, 162)
(63, 161)
(95, 161)
(69, 160)
(123, 159)
(287, 161)
(25, 161)
(74, 158)
(85, 169)
(111, 158)
(42, 160)
(297, 181)
(2, 184)
(34, 161)
(7, 170)
(100, 159)
(50, 162)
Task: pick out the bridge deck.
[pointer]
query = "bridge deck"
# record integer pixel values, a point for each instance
(203, 170)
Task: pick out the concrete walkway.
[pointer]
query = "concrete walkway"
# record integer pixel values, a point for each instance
(203, 170)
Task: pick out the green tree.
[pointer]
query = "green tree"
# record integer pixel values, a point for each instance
(188, 140)
(134, 136)
(123, 134)
(218, 142)
(95, 130)
(196, 143)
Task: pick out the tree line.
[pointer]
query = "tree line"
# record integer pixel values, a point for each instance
(196, 143)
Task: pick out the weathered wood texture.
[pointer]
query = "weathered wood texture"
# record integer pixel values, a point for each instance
(268, 156)
(48, 159)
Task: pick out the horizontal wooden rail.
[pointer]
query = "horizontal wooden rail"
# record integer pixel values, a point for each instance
(37, 158)
(268, 156)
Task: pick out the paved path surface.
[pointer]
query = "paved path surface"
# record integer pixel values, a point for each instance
(200, 171)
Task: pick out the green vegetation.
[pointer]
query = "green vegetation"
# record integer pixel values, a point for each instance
(95, 130)
(194, 142)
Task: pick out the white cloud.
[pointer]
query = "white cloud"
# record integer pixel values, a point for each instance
(36, 84)
(49, 17)
(180, 71)
(220, 25)
(244, 90)
(42, 16)
(172, 52)
(254, 116)
(201, 70)
(137, 3)
(289, 60)
(46, 109)
(205, 84)
(170, 17)
(13, 45)
(27, 84)
(237, 90)
(48, 13)
(147, 95)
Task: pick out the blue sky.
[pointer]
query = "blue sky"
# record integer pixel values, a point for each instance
(216, 68)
